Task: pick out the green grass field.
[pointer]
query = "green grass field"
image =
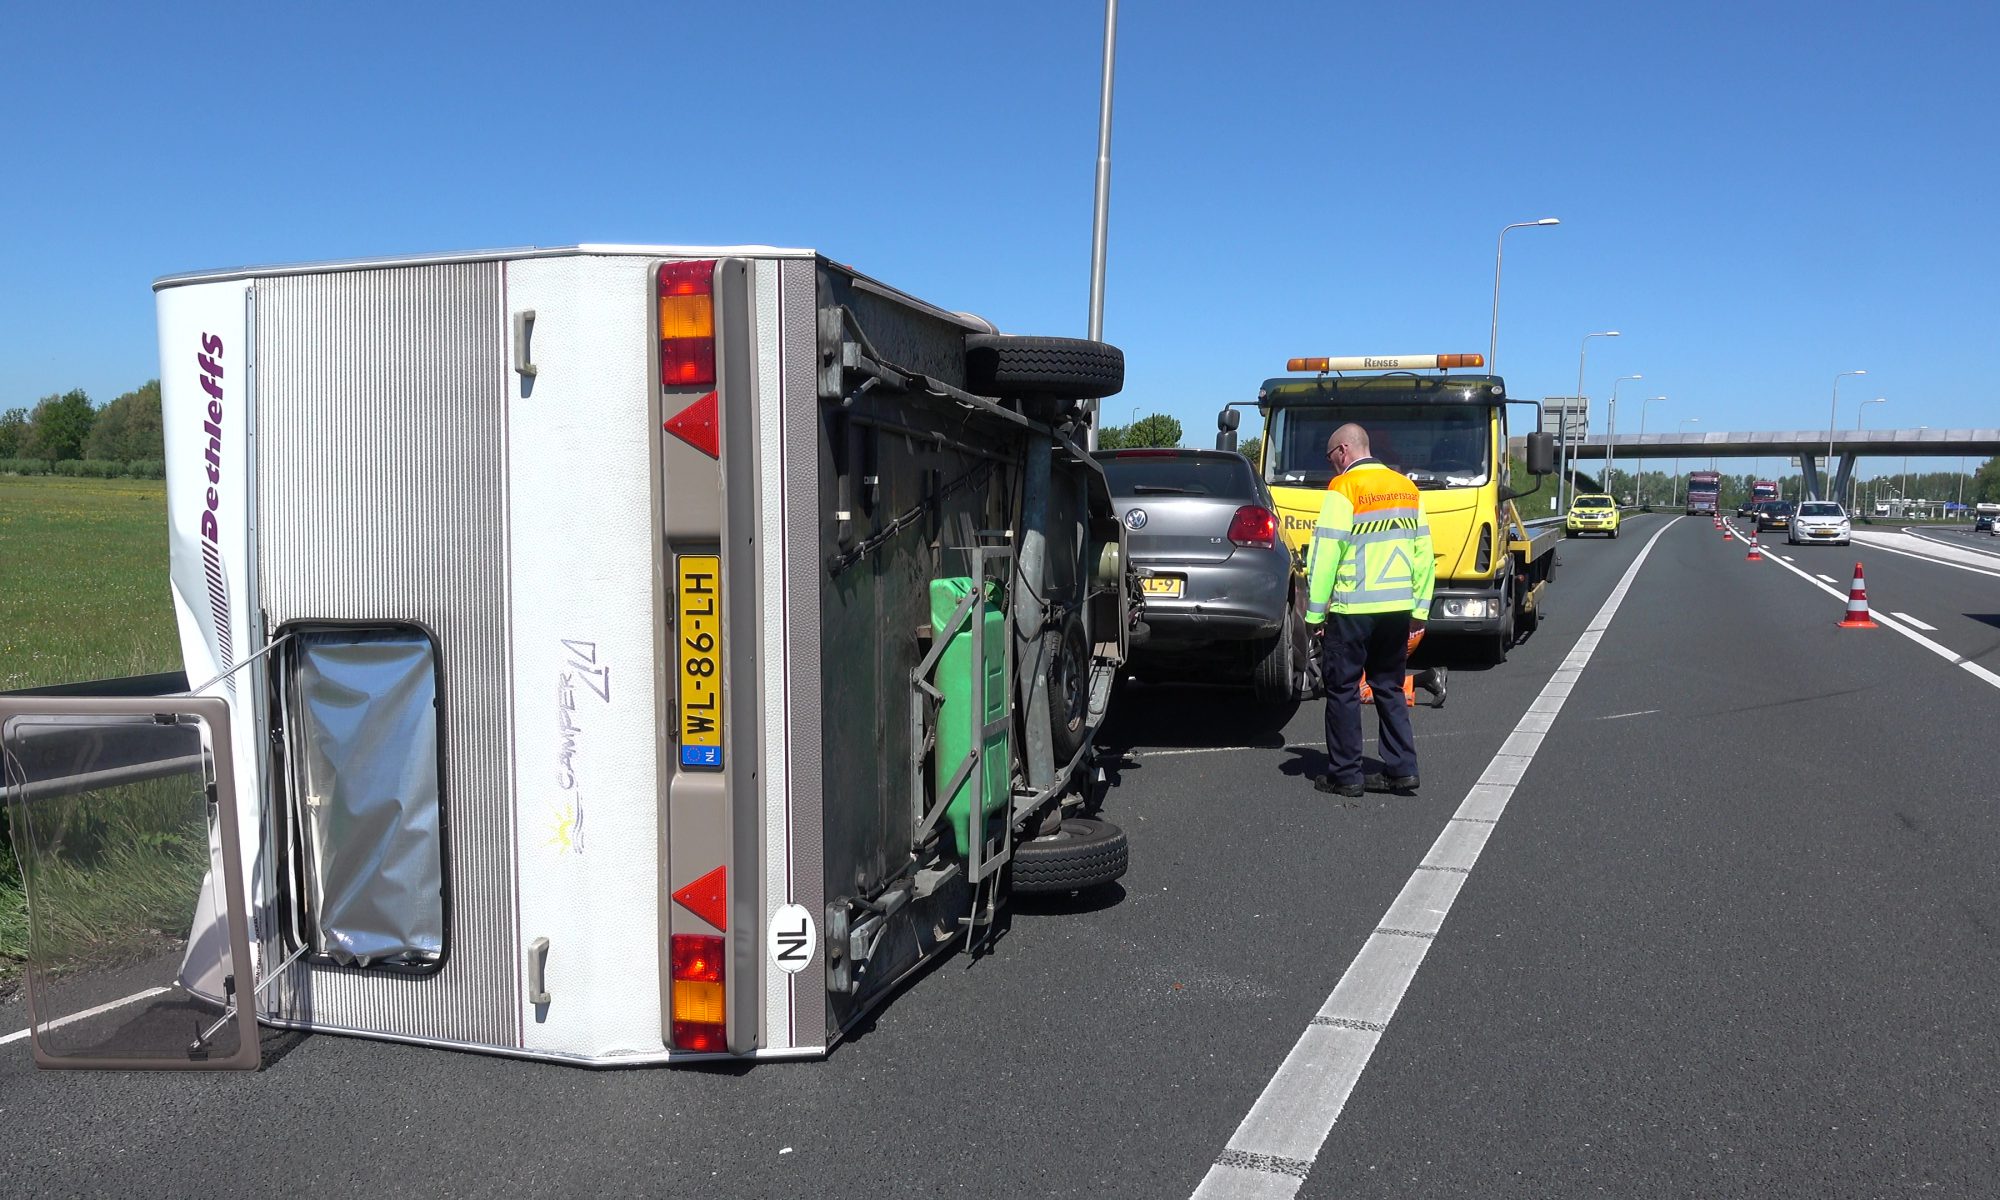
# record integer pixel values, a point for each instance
(83, 595)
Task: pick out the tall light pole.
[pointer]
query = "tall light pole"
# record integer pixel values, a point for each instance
(1611, 430)
(1562, 425)
(1101, 217)
(1642, 446)
(1861, 410)
(1493, 342)
(1678, 431)
(1832, 415)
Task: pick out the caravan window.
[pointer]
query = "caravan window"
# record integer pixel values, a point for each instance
(367, 800)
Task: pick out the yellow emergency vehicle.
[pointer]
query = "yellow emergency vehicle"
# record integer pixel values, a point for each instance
(1448, 433)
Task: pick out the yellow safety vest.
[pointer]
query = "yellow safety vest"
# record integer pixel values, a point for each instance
(1371, 550)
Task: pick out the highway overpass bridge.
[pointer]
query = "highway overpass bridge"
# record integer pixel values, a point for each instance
(1808, 446)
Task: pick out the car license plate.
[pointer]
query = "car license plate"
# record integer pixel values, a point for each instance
(700, 633)
(1822, 533)
(1166, 587)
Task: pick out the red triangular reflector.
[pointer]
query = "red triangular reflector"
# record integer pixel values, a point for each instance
(708, 897)
(696, 426)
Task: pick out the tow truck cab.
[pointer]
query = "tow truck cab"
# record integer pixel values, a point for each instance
(1448, 434)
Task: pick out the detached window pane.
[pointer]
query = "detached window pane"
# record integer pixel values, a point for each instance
(365, 740)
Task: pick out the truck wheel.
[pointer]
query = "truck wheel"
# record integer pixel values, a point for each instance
(1085, 853)
(998, 364)
(1068, 655)
(1272, 679)
(1501, 642)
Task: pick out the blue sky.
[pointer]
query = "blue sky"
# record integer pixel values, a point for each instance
(1757, 196)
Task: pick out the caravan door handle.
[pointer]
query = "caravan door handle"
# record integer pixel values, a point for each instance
(538, 962)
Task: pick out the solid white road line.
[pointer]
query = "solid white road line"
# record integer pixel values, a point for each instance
(1903, 616)
(1930, 558)
(1980, 550)
(1273, 1150)
(87, 1013)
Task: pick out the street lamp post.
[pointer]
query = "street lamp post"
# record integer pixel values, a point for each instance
(1562, 425)
(1611, 431)
(1101, 214)
(1854, 485)
(1832, 415)
(1642, 446)
(1678, 431)
(1493, 342)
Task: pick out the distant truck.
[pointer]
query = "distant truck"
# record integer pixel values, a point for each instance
(1760, 491)
(1446, 432)
(601, 654)
(1703, 488)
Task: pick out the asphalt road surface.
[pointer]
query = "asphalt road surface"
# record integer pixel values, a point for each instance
(1734, 931)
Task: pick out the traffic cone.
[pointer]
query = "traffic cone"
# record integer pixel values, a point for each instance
(1753, 556)
(1857, 605)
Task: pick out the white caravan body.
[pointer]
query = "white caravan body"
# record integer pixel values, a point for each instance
(462, 543)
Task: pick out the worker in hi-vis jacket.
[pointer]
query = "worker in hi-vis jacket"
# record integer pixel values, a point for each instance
(1370, 572)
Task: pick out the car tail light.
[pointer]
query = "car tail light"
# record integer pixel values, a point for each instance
(687, 324)
(1253, 525)
(700, 1018)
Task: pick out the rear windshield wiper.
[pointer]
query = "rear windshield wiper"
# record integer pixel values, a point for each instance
(1163, 489)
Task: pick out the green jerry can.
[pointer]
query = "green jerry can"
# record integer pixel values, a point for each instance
(968, 705)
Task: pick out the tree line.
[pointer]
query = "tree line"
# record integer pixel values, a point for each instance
(66, 434)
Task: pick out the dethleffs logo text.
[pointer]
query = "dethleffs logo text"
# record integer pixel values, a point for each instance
(210, 362)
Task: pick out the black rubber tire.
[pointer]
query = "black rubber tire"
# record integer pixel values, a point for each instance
(1273, 677)
(1085, 853)
(999, 364)
(1499, 643)
(1527, 620)
(1569, 533)
(1068, 655)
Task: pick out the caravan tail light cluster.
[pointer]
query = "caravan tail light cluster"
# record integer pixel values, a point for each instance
(687, 324)
(700, 1019)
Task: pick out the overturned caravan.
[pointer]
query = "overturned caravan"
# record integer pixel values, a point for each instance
(609, 654)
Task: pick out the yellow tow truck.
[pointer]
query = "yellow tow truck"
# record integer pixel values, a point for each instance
(1448, 433)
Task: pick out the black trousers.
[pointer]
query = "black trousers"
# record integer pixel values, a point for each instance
(1376, 644)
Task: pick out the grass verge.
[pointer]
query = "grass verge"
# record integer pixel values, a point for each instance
(85, 597)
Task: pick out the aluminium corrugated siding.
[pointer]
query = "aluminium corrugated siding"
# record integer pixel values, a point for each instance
(381, 492)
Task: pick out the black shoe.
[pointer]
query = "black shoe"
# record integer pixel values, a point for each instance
(1433, 680)
(1325, 783)
(1404, 784)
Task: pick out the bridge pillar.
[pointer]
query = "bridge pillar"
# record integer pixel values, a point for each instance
(1843, 479)
(1809, 467)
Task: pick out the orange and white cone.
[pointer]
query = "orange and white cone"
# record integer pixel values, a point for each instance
(1753, 556)
(1857, 605)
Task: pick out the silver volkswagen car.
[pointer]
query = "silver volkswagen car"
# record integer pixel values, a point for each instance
(1224, 600)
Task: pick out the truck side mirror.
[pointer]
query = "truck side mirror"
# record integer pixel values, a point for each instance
(1225, 424)
(1541, 453)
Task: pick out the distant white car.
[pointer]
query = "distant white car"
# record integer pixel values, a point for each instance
(1820, 521)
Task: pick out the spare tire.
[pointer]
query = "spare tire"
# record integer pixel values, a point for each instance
(1084, 853)
(1000, 364)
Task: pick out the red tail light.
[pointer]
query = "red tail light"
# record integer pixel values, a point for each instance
(1253, 525)
(701, 1021)
(687, 324)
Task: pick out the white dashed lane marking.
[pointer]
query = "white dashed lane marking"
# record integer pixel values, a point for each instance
(1903, 616)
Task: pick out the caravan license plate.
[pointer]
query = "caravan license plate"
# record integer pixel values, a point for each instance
(700, 635)
(1166, 587)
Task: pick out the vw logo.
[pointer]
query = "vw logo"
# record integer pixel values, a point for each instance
(1135, 518)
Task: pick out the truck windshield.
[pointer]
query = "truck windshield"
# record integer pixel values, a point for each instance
(1436, 445)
